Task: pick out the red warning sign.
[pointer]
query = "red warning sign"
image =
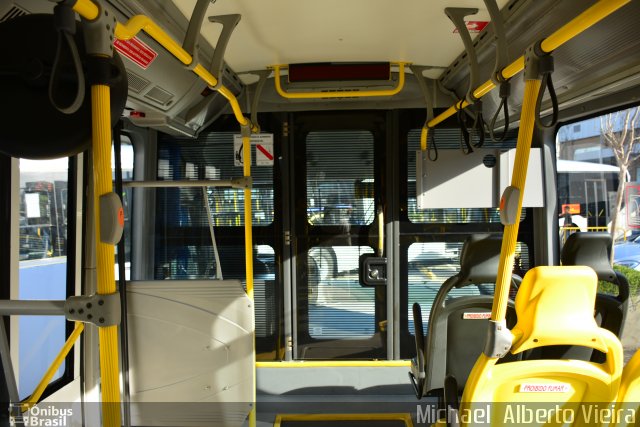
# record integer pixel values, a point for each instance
(572, 208)
(265, 151)
(474, 26)
(137, 51)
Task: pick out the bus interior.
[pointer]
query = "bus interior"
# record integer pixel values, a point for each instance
(294, 213)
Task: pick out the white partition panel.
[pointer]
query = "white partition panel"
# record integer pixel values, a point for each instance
(474, 180)
(191, 352)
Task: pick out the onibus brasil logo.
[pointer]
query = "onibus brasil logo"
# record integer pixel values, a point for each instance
(40, 416)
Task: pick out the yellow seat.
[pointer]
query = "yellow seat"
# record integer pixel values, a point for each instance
(627, 409)
(554, 306)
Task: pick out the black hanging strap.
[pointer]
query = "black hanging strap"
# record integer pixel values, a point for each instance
(465, 145)
(432, 147)
(545, 67)
(65, 24)
(478, 125)
(505, 91)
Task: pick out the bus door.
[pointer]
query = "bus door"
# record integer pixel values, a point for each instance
(595, 191)
(336, 188)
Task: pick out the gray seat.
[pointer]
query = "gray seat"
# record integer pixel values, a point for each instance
(593, 249)
(457, 327)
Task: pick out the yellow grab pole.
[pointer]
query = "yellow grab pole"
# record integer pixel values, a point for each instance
(586, 19)
(53, 368)
(108, 335)
(248, 247)
(248, 222)
(339, 94)
(510, 237)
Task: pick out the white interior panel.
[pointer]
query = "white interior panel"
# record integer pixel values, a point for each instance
(294, 31)
(534, 187)
(458, 180)
(190, 342)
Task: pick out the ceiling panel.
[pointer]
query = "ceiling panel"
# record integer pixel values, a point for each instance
(298, 31)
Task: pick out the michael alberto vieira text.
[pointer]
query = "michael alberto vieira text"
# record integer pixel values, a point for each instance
(521, 413)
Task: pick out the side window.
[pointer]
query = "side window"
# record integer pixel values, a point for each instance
(599, 190)
(185, 216)
(44, 201)
(588, 179)
(127, 162)
(200, 231)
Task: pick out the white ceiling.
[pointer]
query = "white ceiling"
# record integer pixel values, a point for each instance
(298, 31)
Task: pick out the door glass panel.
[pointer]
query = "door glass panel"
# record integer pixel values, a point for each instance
(43, 265)
(337, 318)
(339, 307)
(340, 178)
(430, 264)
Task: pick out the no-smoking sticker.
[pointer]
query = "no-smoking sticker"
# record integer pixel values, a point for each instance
(263, 144)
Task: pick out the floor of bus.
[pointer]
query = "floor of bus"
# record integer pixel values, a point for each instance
(294, 410)
(371, 396)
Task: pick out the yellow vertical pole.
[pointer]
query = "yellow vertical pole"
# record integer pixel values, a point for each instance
(510, 237)
(248, 243)
(248, 222)
(108, 335)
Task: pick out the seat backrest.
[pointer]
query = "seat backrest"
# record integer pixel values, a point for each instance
(457, 327)
(554, 306)
(593, 249)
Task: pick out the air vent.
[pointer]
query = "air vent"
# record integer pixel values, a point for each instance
(136, 83)
(159, 95)
(14, 12)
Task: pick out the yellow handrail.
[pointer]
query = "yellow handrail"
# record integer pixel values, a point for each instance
(336, 93)
(53, 368)
(135, 24)
(586, 19)
(108, 335)
(510, 236)
(248, 220)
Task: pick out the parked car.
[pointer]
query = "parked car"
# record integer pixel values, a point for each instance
(627, 253)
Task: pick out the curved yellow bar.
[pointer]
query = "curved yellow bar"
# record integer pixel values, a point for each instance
(424, 134)
(339, 94)
(143, 23)
(586, 19)
(86, 9)
(53, 368)
(138, 23)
